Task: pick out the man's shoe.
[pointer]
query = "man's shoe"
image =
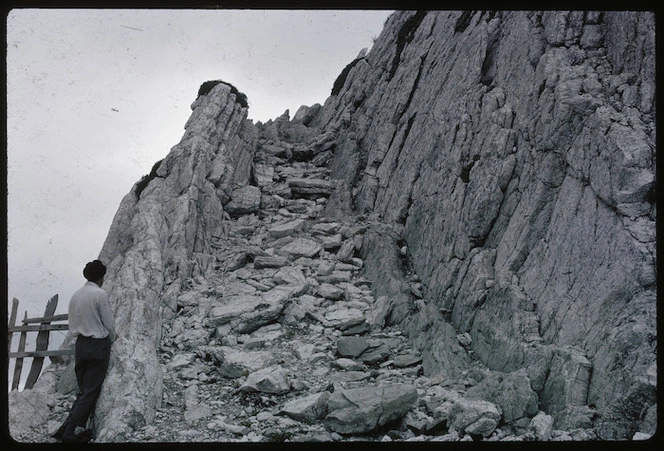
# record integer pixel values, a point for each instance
(70, 435)
(85, 436)
(58, 434)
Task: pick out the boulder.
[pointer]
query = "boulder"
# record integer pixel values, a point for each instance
(29, 408)
(363, 409)
(330, 291)
(541, 425)
(568, 381)
(348, 364)
(232, 309)
(194, 410)
(475, 417)
(272, 380)
(181, 360)
(263, 174)
(331, 242)
(301, 247)
(510, 391)
(343, 318)
(347, 251)
(406, 360)
(310, 187)
(245, 200)
(234, 363)
(308, 409)
(270, 261)
(327, 228)
(245, 314)
(352, 346)
(305, 114)
(575, 417)
(286, 229)
(378, 352)
(289, 275)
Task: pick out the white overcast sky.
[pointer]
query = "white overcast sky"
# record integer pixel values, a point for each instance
(95, 97)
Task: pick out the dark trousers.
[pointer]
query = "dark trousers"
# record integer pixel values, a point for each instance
(92, 358)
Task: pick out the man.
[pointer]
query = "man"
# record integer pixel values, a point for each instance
(91, 322)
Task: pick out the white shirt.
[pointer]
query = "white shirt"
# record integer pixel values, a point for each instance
(90, 313)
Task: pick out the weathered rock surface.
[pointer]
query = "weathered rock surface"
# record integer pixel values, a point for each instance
(243, 201)
(515, 149)
(460, 243)
(363, 409)
(474, 417)
(308, 409)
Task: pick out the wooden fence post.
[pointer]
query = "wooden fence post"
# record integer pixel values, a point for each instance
(12, 322)
(19, 360)
(42, 344)
(43, 327)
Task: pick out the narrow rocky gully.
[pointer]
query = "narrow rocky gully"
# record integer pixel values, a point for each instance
(288, 343)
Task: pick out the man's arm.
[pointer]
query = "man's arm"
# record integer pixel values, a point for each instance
(107, 316)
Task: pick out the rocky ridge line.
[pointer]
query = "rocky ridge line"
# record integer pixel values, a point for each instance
(286, 341)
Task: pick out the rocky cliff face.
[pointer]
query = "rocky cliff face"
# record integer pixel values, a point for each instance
(515, 153)
(488, 180)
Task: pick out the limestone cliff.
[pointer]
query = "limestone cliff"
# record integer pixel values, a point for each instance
(517, 151)
(503, 164)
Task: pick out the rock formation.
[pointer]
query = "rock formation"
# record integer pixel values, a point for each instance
(460, 241)
(516, 150)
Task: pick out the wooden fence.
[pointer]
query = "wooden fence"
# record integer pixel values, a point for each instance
(43, 326)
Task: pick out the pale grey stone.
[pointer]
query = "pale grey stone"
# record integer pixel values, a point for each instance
(263, 174)
(542, 425)
(289, 275)
(344, 318)
(273, 379)
(308, 409)
(244, 201)
(331, 242)
(363, 409)
(474, 416)
(301, 247)
(330, 291)
(286, 229)
(233, 362)
(29, 410)
(349, 364)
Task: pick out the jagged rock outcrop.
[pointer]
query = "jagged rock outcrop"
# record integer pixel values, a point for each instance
(161, 237)
(482, 181)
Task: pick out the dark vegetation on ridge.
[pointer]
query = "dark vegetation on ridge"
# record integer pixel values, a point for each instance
(341, 79)
(405, 35)
(463, 21)
(143, 182)
(207, 86)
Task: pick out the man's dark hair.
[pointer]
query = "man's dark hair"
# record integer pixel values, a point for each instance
(94, 270)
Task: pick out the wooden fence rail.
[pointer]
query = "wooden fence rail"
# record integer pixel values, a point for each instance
(43, 329)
